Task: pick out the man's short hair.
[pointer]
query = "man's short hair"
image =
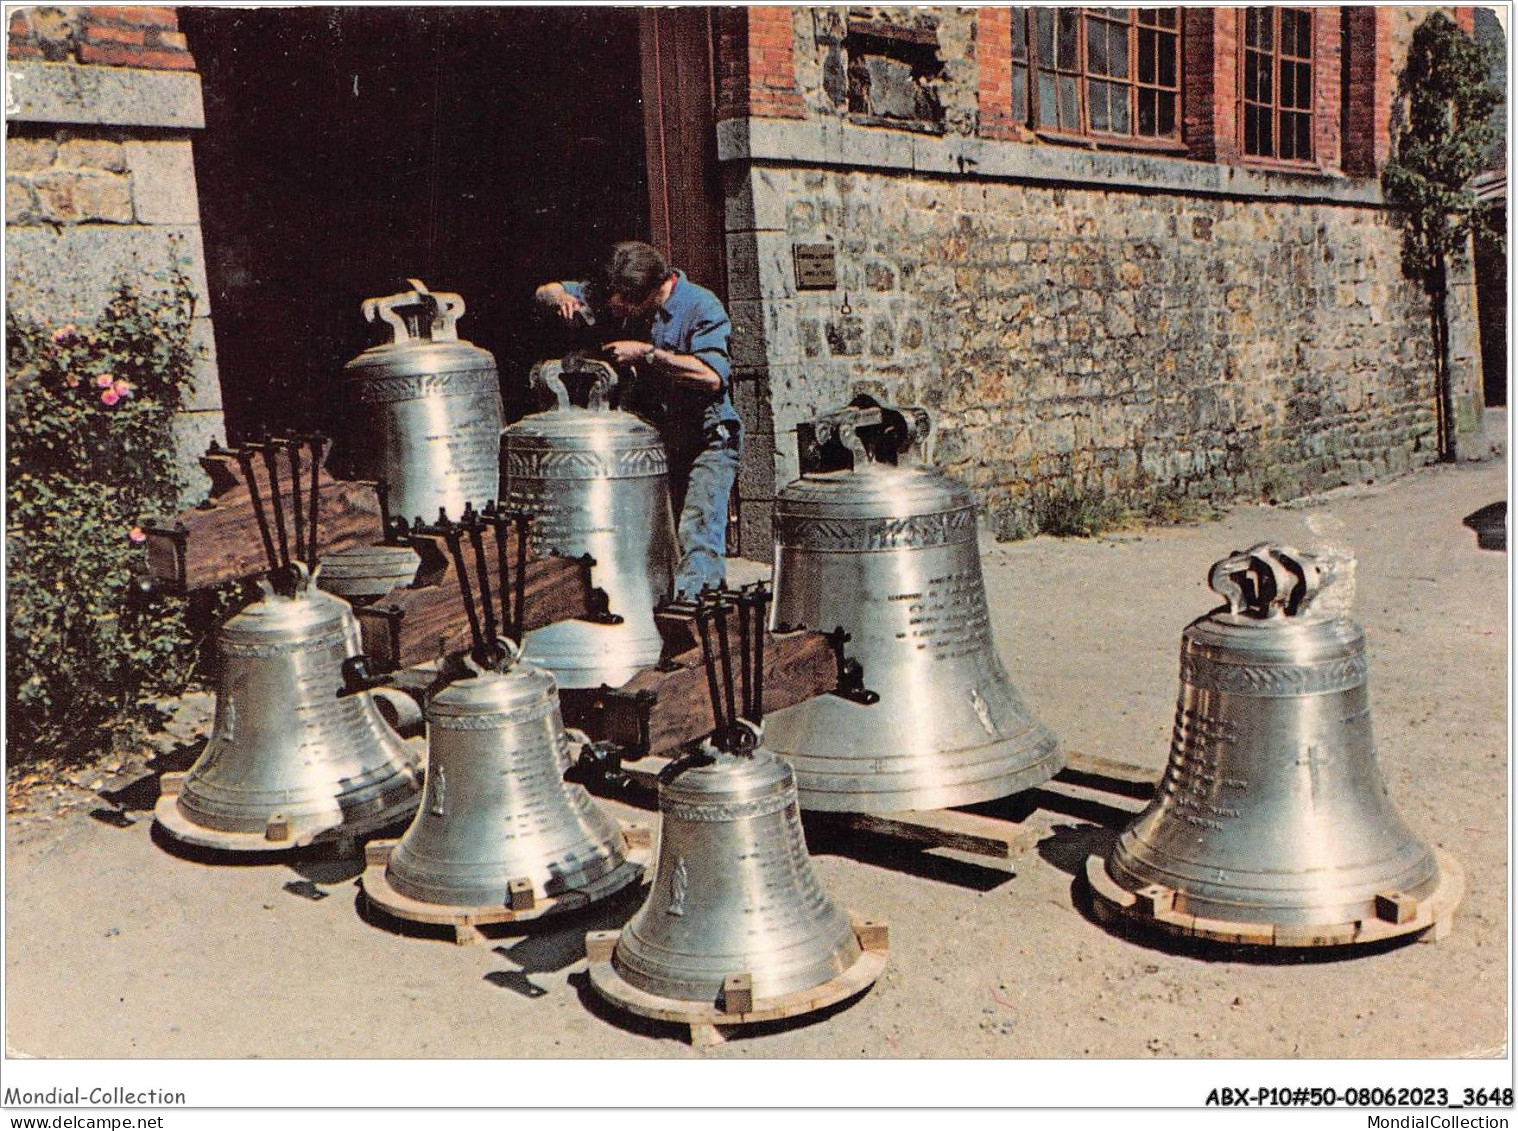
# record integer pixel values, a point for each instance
(631, 269)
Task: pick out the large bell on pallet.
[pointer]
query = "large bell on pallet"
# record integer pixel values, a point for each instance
(290, 760)
(886, 548)
(292, 757)
(1272, 824)
(736, 927)
(596, 480)
(500, 835)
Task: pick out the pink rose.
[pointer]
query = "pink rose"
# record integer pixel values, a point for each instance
(136, 536)
(65, 334)
(106, 380)
(122, 388)
(71, 381)
(110, 396)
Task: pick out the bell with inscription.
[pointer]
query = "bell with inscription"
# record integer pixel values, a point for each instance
(1272, 824)
(500, 835)
(596, 480)
(736, 927)
(291, 761)
(423, 409)
(874, 542)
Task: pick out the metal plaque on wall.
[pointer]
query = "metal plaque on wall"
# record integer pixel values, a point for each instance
(816, 266)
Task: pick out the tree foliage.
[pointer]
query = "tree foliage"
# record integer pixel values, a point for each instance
(1447, 103)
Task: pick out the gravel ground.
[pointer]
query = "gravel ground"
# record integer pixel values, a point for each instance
(119, 948)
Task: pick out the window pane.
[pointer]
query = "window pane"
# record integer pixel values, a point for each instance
(1167, 60)
(1304, 34)
(1117, 51)
(1069, 25)
(1148, 117)
(1120, 13)
(1251, 129)
(1020, 92)
(1304, 136)
(1046, 36)
(1288, 137)
(1122, 118)
(1288, 83)
(1267, 30)
(1169, 17)
(1096, 46)
(1019, 33)
(1304, 85)
(1166, 106)
(1267, 92)
(1069, 103)
(1288, 33)
(1252, 27)
(1251, 76)
(1267, 133)
(1048, 105)
(1097, 109)
(1148, 67)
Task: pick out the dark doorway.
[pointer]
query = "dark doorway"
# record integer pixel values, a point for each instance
(481, 150)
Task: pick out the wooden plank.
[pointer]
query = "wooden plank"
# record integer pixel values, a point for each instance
(416, 626)
(1107, 775)
(938, 828)
(797, 666)
(219, 541)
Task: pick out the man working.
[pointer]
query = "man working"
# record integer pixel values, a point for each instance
(675, 335)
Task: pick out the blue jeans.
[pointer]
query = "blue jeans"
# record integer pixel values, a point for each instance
(702, 528)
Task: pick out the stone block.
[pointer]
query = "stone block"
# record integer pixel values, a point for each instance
(70, 94)
(79, 197)
(27, 154)
(193, 432)
(73, 271)
(92, 153)
(21, 205)
(163, 181)
(204, 394)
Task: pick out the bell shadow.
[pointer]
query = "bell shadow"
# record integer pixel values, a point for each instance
(1215, 952)
(1068, 846)
(640, 1026)
(1490, 525)
(216, 857)
(1082, 808)
(881, 850)
(560, 940)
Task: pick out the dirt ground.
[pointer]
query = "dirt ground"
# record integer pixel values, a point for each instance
(119, 948)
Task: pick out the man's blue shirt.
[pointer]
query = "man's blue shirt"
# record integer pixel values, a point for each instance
(691, 321)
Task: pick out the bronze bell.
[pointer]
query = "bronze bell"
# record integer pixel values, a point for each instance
(1272, 824)
(736, 927)
(500, 835)
(291, 760)
(873, 540)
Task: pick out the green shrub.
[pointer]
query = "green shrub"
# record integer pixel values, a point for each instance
(90, 452)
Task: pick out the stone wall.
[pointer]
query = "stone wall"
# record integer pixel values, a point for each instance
(100, 178)
(1123, 324)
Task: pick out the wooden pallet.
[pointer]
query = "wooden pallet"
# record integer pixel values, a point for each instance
(281, 835)
(1155, 907)
(737, 1006)
(524, 905)
(1118, 789)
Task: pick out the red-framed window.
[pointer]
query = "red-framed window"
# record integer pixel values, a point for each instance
(1276, 76)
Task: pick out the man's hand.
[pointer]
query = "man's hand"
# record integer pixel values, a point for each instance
(553, 297)
(627, 353)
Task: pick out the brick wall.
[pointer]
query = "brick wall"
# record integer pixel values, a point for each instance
(100, 178)
(144, 38)
(755, 73)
